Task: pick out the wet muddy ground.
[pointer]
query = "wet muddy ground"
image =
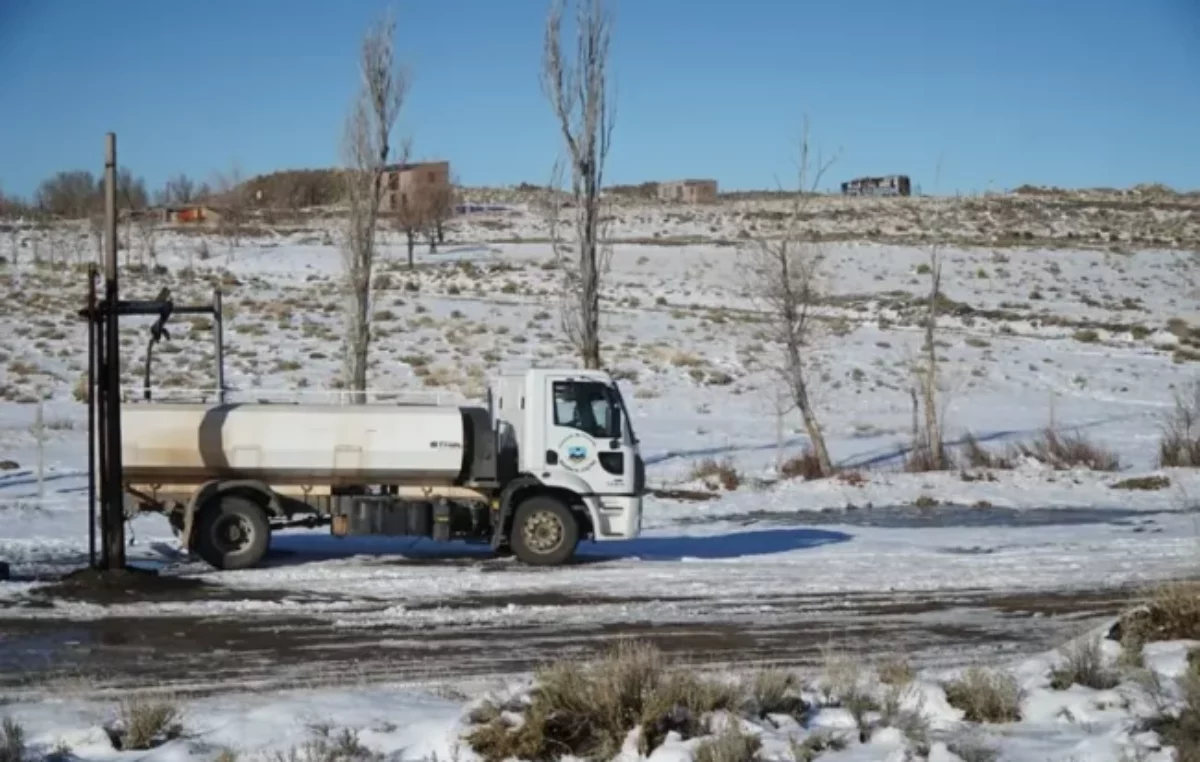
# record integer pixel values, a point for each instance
(202, 654)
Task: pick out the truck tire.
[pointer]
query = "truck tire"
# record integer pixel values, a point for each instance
(232, 533)
(544, 532)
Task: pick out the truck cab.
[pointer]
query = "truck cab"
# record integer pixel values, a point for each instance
(573, 436)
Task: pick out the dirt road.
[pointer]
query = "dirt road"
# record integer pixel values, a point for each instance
(197, 653)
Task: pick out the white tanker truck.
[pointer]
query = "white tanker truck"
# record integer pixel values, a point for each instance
(552, 459)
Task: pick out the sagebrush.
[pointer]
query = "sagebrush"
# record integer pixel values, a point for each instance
(588, 708)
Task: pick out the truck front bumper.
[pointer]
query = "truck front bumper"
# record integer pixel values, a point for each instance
(615, 517)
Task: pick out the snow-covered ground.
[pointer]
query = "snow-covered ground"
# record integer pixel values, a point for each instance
(1094, 342)
(1056, 722)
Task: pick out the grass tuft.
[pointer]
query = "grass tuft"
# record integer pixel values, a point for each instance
(147, 723)
(804, 466)
(985, 695)
(723, 471)
(817, 743)
(771, 691)
(1172, 612)
(587, 709)
(1066, 451)
(1181, 728)
(1083, 664)
(732, 745)
(12, 741)
(1179, 446)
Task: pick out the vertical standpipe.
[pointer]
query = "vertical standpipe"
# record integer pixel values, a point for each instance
(114, 534)
(91, 403)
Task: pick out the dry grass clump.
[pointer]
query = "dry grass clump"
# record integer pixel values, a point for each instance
(976, 456)
(12, 741)
(732, 745)
(896, 670)
(1066, 451)
(803, 466)
(146, 723)
(772, 691)
(587, 709)
(1144, 483)
(1181, 728)
(985, 695)
(922, 459)
(1172, 612)
(1179, 446)
(1083, 664)
(326, 746)
(816, 744)
(722, 471)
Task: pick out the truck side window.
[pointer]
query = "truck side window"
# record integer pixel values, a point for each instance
(587, 407)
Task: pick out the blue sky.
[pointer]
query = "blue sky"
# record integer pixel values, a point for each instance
(1005, 92)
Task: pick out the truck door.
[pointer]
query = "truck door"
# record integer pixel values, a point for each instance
(585, 436)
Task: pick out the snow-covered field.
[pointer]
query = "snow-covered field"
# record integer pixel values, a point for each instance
(1096, 342)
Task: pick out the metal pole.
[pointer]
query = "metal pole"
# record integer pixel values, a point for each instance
(91, 403)
(114, 497)
(40, 426)
(101, 438)
(219, 344)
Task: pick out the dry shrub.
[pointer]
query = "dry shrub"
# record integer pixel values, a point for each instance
(976, 456)
(1083, 664)
(12, 741)
(771, 691)
(1145, 483)
(1065, 451)
(816, 744)
(1179, 446)
(587, 709)
(732, 745)
(1181, 728)
(845, 683)
(145, 724)
(896, 670)
(723, 471)
(986, 695)
(1172, 612)
(326, 746)
(805, 466)
(922, 459)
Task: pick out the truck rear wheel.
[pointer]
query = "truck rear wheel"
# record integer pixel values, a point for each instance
(544, 532)
(232, 533)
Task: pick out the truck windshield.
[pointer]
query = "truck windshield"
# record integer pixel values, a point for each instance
(588, 406)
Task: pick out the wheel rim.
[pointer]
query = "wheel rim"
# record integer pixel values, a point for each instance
(543, 532)
(232, 533)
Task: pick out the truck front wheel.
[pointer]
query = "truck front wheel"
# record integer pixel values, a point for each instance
(544, 532)
(232, 533)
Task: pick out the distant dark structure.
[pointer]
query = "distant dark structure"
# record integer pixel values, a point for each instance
(891, 185)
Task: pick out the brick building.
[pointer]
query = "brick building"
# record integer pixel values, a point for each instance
(689, 191)
(415, 185)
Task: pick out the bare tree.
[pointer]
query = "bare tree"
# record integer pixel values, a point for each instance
(180, 190)
(409, 219)
(440, 208)
(366, 148)
(784, 278)
(232, 194)
(578, 93)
